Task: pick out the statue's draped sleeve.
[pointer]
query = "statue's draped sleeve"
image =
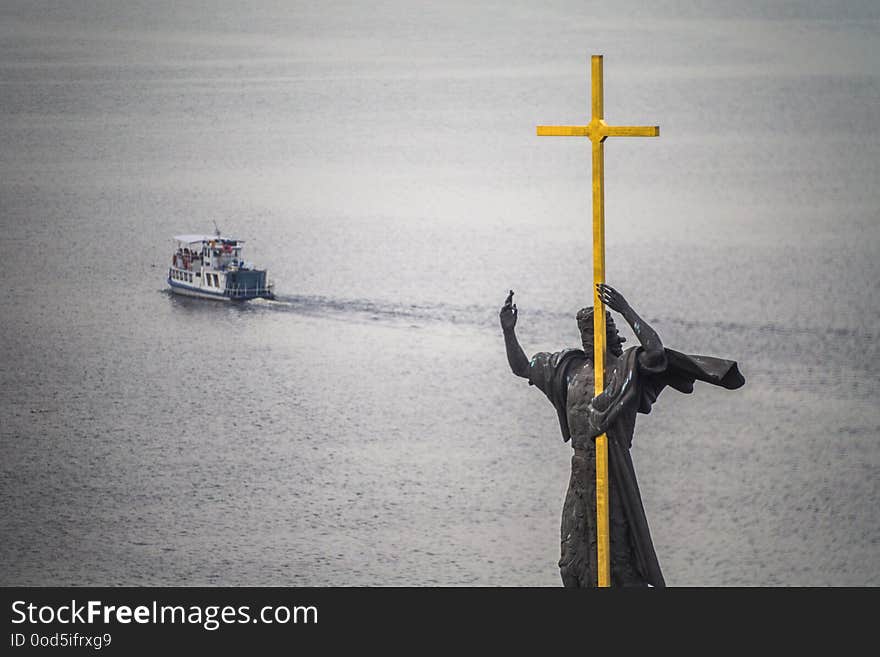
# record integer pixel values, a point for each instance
(549, 373)
(634, 387)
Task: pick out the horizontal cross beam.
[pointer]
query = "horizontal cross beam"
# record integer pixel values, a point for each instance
(602, 129)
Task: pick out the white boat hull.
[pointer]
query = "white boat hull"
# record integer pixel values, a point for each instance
(188, 291)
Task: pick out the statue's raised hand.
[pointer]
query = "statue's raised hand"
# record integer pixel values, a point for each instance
(612, 298)
(508, 313)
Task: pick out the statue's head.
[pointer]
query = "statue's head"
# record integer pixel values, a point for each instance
(613, 340)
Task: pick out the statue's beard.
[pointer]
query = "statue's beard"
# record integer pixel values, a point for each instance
(612, 344)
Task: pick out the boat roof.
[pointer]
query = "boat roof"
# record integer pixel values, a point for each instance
(198, 239)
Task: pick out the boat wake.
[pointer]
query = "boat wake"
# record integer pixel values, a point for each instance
(385, 311)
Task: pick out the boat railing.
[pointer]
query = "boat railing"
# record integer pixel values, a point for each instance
(236, 291)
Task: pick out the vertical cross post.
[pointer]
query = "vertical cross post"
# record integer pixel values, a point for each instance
(597, 130)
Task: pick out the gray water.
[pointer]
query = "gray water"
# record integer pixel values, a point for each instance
(380, 159)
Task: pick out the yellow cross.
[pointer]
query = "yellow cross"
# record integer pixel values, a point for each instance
(597, 130)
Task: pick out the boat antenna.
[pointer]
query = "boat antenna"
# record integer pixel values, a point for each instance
(216, 228)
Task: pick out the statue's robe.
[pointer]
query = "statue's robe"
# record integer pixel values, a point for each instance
(632, 387)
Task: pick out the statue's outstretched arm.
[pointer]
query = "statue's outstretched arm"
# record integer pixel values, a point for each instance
(653, 355)
(516, 357)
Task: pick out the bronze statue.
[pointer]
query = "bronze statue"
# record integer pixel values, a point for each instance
(634, 379)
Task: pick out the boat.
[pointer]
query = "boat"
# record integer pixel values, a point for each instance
(212, 267)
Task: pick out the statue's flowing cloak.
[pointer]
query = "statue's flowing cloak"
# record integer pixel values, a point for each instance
(632, 387)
